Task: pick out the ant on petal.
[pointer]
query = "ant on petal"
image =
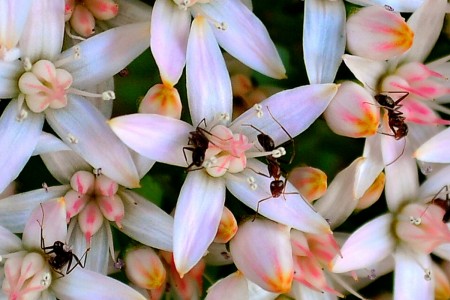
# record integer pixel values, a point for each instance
(60, 254)
(396, 120)
(277, 185)
(198, 144)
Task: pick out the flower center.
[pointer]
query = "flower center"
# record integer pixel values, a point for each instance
(226, 151)
(43, 86)
(93, 197)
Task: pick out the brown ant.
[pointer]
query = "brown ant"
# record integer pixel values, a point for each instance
(277, 185)
(396, 119)
(60, 254)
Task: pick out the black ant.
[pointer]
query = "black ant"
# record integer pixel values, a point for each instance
(277, 185)
(60, 254)
(198, 143)
(396, 119)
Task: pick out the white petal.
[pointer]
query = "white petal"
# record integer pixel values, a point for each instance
(43, 34)
(156, 137)
(9, 242)
(85, 130)
(289, 209)
(409, 281)
(245, 36)
(234, 286)
(436, 148)
(372, 166)
(197, 217)
(13, 16)
(443, 251)
(9, 73)
(366, 70)
(98, 256)
(168, 39)
(105, 54)
(402, 180)
(18, 140)
(307, 101)
(340, 200)
(15, 210)
(63, 164)
(323, 39)
(397, 5)
(143, 164)
(434, 183)
(426, 22)
(207, 79)
(145, 222)
(48, 143)
(368, 245)
(82, 284)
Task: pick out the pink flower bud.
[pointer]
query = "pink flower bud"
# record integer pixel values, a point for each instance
(227, 227)
(163, 100)
(102, 9)
(82, 21)
(310, 182)
(144, 268)
(373, 193)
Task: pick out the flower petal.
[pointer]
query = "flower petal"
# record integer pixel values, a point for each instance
(262, 252)
(50, 219)
(63, 164)
(168, 39)
(86, 132)
(308, 101)
(145, 222)
(323, 39)
(371, 167)
(197, 217)
(43, 34)
(435, 149)
(49, 143)
(426, 22)
(207, 79)
(9, 242)
(409, 281)
(136, 130)
(244, 36)
(366, 70)
(340, 200)
(289, 209)
(83, 284)
(18, 137)
(13, 17)
(234, 286)
(16, 209)
(368, 245)
(9, 74)
(401, 6)
(105, 54)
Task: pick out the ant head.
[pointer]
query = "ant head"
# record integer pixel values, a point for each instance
(266, 142)
(58, 244)
(276, 188)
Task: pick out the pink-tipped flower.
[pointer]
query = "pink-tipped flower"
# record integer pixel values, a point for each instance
(310, 182)
(227, 227)
(144, 268)
(373, 193)
(82, 16)
(261, 251)
(421, 227)
(162, 99)
(353, 112)
(377, 33)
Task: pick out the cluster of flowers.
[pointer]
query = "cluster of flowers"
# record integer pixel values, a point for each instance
(57, 63)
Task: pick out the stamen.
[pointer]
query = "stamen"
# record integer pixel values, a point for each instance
(72, 36)
(210, 162)
(72, 139)
(259, 111)
(415, 221)
(46, 279)
(97, 172)
(427, 275)
(27, 65)
(252, 183)
(279, 152)
(22, 115)
(76, 55)
(106, 95)
(45, 186)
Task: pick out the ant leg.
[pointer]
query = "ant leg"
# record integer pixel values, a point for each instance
(78, 261)
(257, 206)
(42, 230)
(60, 273)
(254, 127)
(257, 172)
(403, 151)
(184, 152)
(291, 140)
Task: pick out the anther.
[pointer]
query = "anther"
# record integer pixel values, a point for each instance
(252, 183)
(97, 172)
(372, 275)
(27, 65)
(72, 139)
(108, 95)
(224, 117)
(279, 152)
(45, 281)
(415, 221)
(259, 111)
(427, 275)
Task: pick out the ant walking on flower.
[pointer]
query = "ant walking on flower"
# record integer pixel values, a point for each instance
(198, 144)
(277, 185)
(60, 254)
(396, 120)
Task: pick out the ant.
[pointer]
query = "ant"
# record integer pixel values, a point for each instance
(198, 143)
(277, 185)
(396, 119)
(60, 254)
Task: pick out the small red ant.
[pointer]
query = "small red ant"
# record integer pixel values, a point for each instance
(60, 254)
(277, 186)
(396, 119)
